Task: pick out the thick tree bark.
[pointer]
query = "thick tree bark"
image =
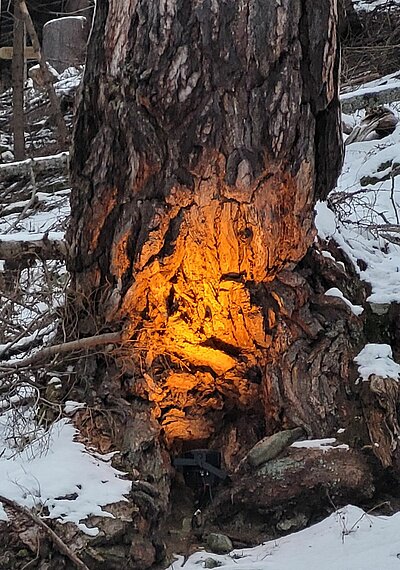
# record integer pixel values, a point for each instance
(205, 134)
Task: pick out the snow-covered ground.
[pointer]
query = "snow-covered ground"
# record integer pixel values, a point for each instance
(364, 213)
(347, 540)
(49, 471)
(55, 474)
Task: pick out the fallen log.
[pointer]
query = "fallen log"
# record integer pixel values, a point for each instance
(45, 249)
(368, 97)
(291, 491)
(38, 165)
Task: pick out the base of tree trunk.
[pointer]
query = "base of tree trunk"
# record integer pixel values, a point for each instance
(294, 489)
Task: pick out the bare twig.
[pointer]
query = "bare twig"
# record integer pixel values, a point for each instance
(56, 540)
(28, 205)
(392, 197)
(49, 351)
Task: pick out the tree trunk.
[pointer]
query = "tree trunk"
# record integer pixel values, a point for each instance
(206, 131)
(349, 22)
(18, 80)
(59, 121)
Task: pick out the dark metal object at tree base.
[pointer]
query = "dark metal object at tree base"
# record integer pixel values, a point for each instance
(201, 470)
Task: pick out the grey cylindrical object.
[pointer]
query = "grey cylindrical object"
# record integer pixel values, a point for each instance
(64, 42)
(270, 447)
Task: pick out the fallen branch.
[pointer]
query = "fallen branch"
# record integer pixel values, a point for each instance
(37, 165)
(56, 540)
(369, 97)
(49, 351)
(41, 248)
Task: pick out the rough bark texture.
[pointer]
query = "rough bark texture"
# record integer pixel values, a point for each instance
(206, 131)
(200, 149)
(292, 490)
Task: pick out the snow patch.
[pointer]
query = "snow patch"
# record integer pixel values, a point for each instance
(325, 220)
(348, 539)
(70, 407)
(323, 444)
(335, 292)
(377, 359)
(57, 472)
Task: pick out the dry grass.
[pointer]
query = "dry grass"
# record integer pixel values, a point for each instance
(376, 50)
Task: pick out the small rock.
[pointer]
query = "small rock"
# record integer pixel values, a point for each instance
(270, 447)
(7, 156)
(296, 522)
(211, 563)
(186, 525)
(23, 553)
(380, 308)
(219, 543)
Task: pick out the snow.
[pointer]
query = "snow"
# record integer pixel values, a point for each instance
(363, 212)
(335, 292)
(325, 220)
(349, 539)
(369, 5)
(361, 216)
(377, 359)
(383, 84)
(324, 444)
(49, 471)
(70, 407)
(28, 236)
(81, 19)
(57, 472)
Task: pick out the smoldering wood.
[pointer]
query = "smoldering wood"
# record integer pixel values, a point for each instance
(195, 185)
